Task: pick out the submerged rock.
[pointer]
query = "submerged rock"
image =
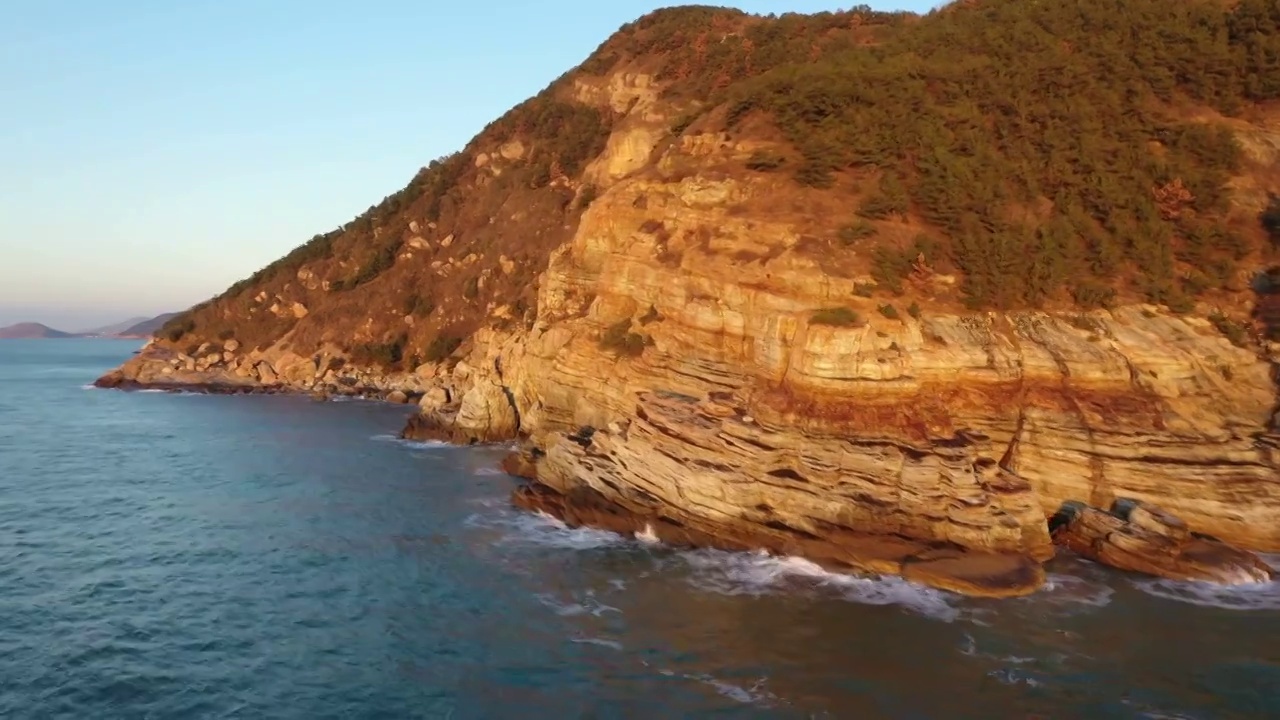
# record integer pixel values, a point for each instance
(1144, 538)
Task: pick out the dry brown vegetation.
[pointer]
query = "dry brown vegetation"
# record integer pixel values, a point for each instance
(1043, 152)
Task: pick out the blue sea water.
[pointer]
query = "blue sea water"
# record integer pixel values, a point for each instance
(181, 556)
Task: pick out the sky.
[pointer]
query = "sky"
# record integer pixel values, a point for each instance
(154, 152)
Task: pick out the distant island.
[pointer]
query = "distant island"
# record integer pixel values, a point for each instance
(25, 331)
(138, 327)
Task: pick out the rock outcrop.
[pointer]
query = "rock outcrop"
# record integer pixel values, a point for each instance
(158, 366)
(1143, 538)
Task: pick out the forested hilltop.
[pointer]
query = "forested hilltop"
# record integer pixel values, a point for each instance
(1046, 154)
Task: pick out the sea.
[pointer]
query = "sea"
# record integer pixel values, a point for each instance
(187, 556)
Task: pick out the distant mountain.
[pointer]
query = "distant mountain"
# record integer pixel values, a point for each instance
(115, 328)
(32, 330)
(146, 328)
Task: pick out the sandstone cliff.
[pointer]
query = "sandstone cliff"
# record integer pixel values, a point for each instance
(696, 346)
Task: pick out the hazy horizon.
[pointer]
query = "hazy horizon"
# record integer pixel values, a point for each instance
(152, 154)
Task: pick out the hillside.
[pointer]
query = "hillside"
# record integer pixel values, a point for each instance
(146, 327)
(883, 290)
(1043, 156)
(23, 331)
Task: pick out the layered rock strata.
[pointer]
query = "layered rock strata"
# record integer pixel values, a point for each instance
(680, 375)
(1143, 538)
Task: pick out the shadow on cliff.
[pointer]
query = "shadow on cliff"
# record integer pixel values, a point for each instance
(1266, 311)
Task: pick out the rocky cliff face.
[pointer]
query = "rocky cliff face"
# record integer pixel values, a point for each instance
(741, 417)
(932, 446)
(688, 351)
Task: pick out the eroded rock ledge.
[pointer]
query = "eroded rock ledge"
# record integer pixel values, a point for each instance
(1143, 538)
(840, 550)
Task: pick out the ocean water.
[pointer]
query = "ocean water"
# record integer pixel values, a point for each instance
(182, 556)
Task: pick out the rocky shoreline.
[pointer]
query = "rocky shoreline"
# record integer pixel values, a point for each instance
(711, 402)
(157, 367)
(987, 533)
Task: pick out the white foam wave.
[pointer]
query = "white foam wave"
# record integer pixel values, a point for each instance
(488, 472)
(648, 536)
(540, 529)
(1013, 676)
(761, 574)
(1260, 596)
(969, 647)
(1152, 713)
(589, 605)
(1062, 589)
(416, 444)
(753, 695)
(611, 644)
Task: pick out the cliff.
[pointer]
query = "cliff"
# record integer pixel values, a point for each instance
(812, 285)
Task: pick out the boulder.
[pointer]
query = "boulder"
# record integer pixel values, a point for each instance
(294, 369)
(1144, 538)
(487, 413)
(398, 397)
(267, 374)
(435, 399)
(231, 345)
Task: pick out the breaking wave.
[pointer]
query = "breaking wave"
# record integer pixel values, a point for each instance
(1261, 596)
(416, 444)
(1072, 590)
(540, 529)
(760, 574)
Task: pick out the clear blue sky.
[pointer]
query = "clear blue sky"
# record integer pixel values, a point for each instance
(152, 152)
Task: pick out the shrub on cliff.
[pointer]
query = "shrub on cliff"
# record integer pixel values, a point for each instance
(850, 234)
(418, 305)
(762, 161)
(836, 317)
(891, 199)
(979, 114)
(177, 327)
(380, 354)
(1236, 332)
